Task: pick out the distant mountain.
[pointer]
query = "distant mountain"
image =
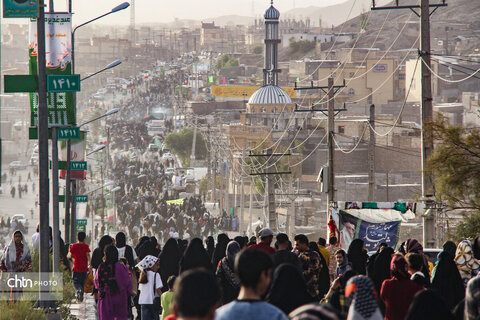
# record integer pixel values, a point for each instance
(231, 20)
(331, 15)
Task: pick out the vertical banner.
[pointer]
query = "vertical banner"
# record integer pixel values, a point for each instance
(373, 234)
(78, 153)
(20, 8)
(58, 42)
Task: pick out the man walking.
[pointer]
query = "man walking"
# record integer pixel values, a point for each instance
(311, 265)
(80, 252)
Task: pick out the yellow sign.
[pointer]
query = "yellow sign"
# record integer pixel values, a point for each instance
(175, 202)
(242, 91)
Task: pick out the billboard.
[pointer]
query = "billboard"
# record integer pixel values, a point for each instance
(20, 8)
(243, 91)
(58, 48)
(77, 153)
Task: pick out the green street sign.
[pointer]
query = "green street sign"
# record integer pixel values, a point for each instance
(80, 198)
(81, 228)
(81, 222)
(62, 133)
(74, 165)
(61, 198)
(63, 82)
(68, 133)
(20, 83)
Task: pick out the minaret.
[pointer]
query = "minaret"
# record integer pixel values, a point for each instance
(271, 71)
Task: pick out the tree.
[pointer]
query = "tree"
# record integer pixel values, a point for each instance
(455, 168)
(181, 144)
(257, 49)
(226, 62)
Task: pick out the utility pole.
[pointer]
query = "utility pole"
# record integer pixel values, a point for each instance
(194, 142)
(252, 186)
(270, 185)
(242, 196)
(371, 156)
(330, 93)
(426, 106)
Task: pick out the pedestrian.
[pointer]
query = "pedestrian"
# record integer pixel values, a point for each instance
(427, 305)
(266, 237)
(336, 295)
(371, 260)
(195, 256)
(220, 248)
(311, 265)
(150, 286)
(253, 267)
(112, 280)
(332, 248)
(190, 300)
(36, 238)
(167, 298)
(357, 256)
(80, 253)
(16, 256)
(288, 290)
(124, 250)
(381, 269)
(342, 263)
(398, 292)
(446, 280)
(323, 276)
(314, 311)
(99, 252)
(362, 298)
(472, 303)
(322, 243)
(226, 273)
(415, 264)
(169, 261)
(284, 252)
(210, 246)
(467, 265)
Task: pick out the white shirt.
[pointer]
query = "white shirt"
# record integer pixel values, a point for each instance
(121, 253)
(146, 289)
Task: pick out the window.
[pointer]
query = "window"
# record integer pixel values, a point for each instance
(275, 110)
(352, 74)
(351, 91)
(263, 110)
(252, 110)
(341, 129)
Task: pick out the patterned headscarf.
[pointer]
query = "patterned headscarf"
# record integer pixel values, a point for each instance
(412, 245)
(467, 265)
(362, 296)
(313, 311)
(147, 262)
(399, 267)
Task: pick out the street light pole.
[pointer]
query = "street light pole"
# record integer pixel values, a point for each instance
(43, 148)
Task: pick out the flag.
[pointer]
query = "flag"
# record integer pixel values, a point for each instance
(224, 80)
(210, 79)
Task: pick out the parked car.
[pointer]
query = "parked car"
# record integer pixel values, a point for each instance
(18, 165)
(20, 218)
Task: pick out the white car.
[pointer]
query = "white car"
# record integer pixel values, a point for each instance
(17, 164)
(170, 171)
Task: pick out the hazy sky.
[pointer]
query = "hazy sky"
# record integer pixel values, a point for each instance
(165, 11)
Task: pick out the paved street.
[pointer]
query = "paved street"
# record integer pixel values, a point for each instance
(85, 310)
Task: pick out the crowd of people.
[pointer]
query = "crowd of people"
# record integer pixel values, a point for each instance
(259, 278)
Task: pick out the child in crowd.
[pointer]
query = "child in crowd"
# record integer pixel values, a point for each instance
(167, 298)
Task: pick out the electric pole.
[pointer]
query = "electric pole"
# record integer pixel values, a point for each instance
(242, 197)
(426, 106)
(371, 156)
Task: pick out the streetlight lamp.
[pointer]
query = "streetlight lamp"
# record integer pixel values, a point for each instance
(109, 66)
(106, 114)
(100, 147)
(120, 7)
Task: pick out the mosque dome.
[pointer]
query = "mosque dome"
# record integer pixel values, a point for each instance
(272, 13)
(270, 94)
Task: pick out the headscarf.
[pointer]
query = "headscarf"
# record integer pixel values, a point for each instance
(363, 299)
(357, 256)
(210, 246)
(169, 260)
(219, 252)
(344, 266)
(195, 256)
(288, 290)
(413, 246)
(147, 263)
(399, 267)
(447, 282)
(98, 253)
(10, 255)
(467, 265)
(450, 247)
(427, 305)
(314, 311)
(233, 248)
(381, 267)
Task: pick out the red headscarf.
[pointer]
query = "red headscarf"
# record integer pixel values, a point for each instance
(399, 267)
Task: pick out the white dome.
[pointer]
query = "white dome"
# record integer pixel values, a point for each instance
(270, 94)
